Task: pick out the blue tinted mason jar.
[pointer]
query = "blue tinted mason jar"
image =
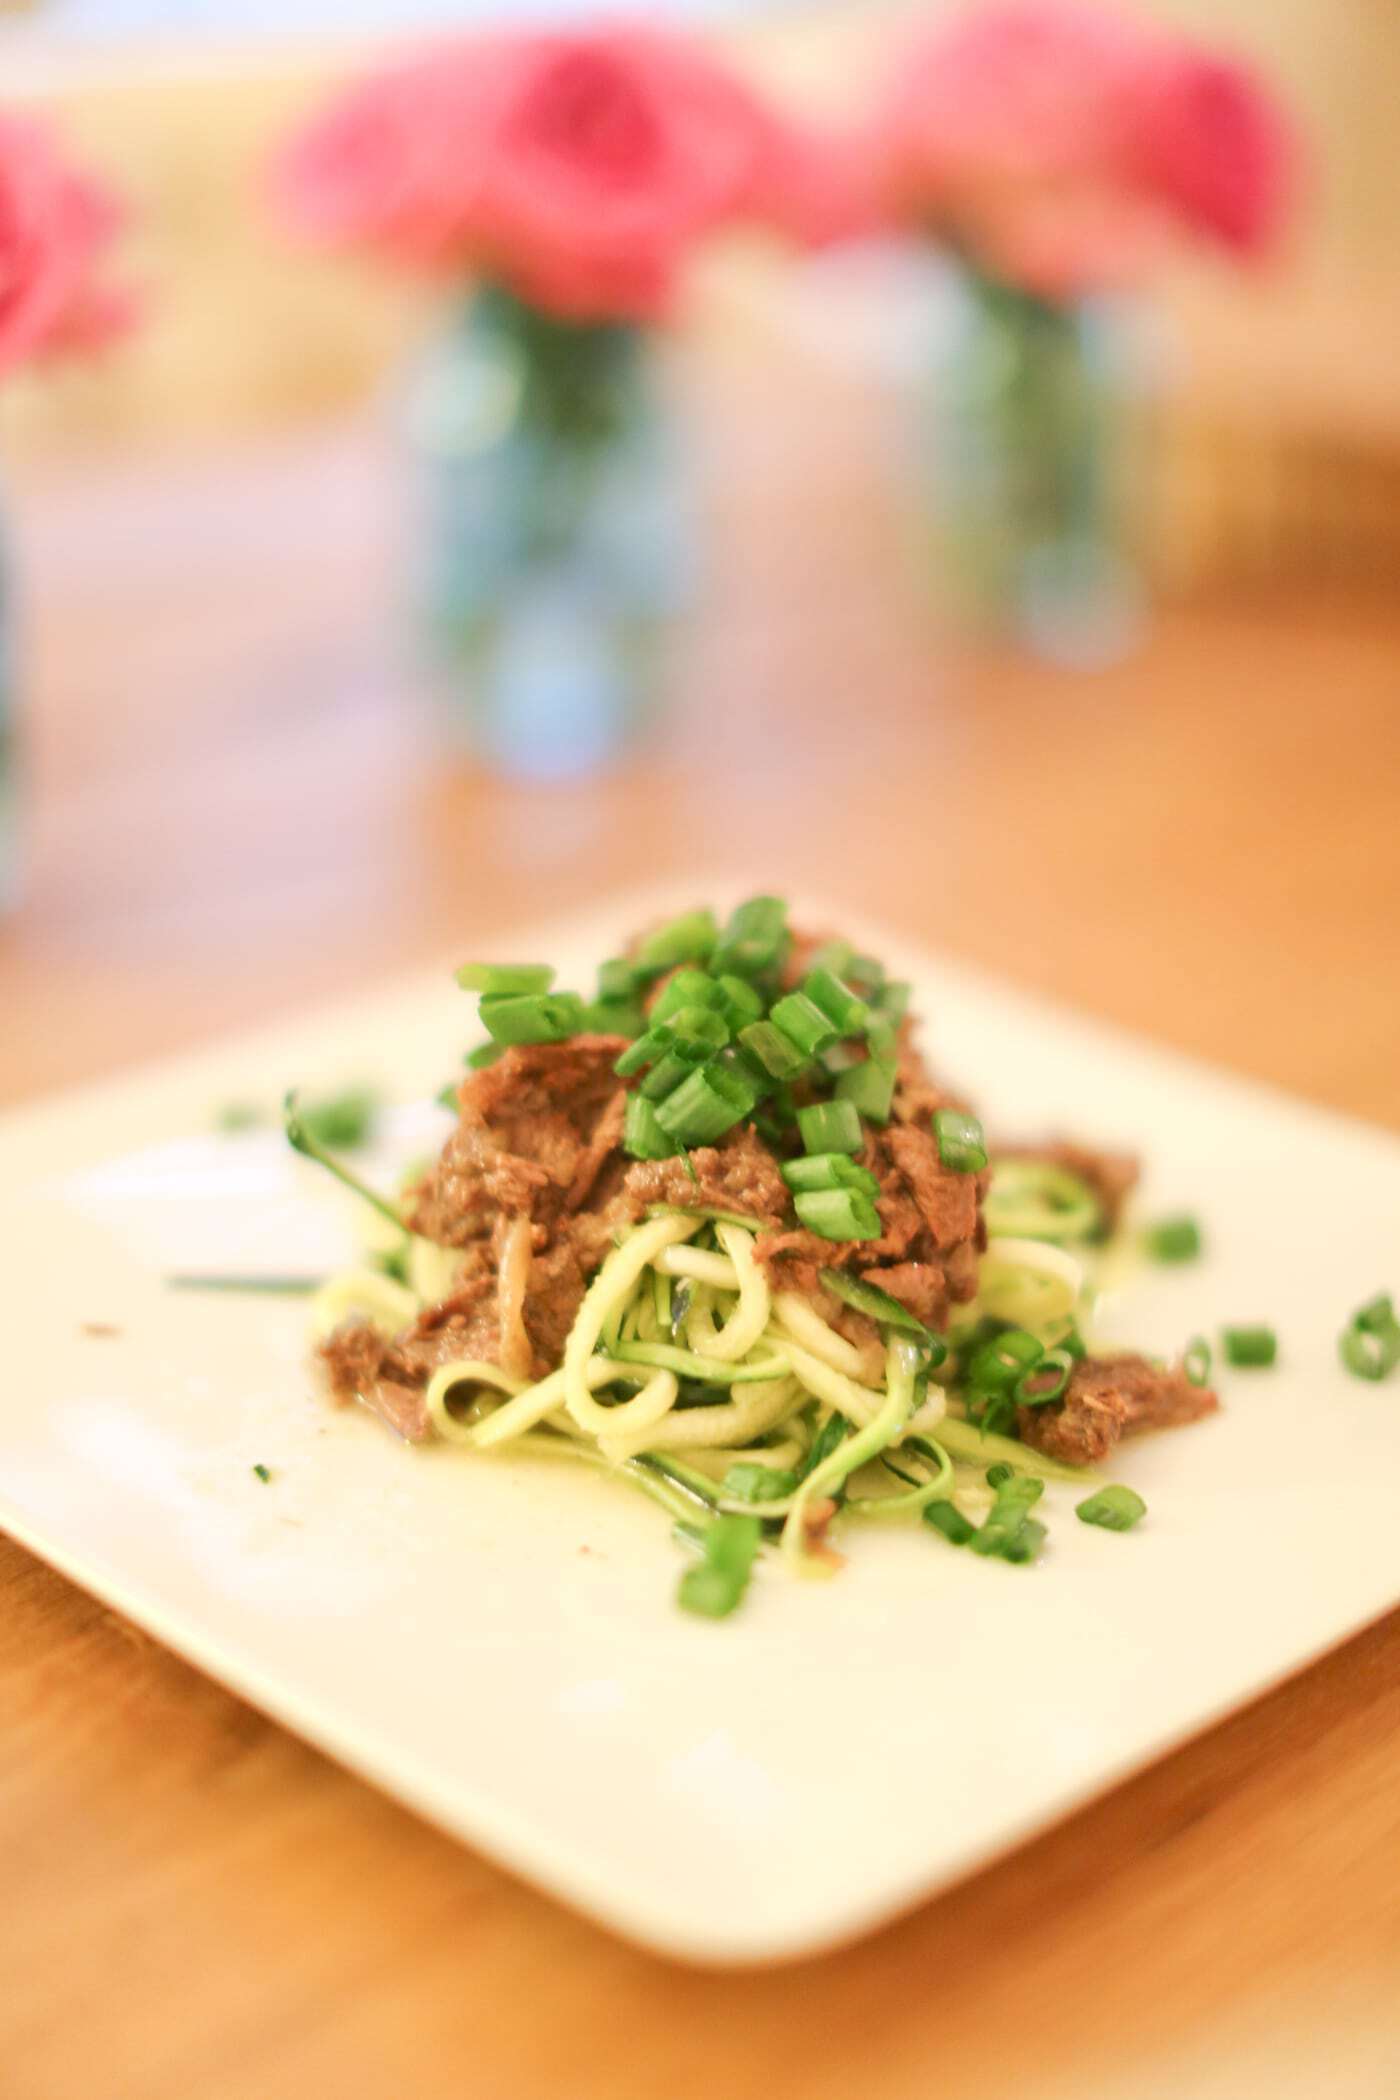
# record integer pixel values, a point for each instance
(552, 535)
(1031, 476)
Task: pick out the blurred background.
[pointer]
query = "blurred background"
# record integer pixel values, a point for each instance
(243, 781)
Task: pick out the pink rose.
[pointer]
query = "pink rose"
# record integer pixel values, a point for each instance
(56, 226)
(576, 167)
(1061, 148)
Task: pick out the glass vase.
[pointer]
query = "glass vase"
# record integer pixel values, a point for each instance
(552, 534)
(1031, 482)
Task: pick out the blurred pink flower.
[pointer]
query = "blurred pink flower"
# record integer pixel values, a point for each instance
(1061, 148)
(56, 226)
(577, 168)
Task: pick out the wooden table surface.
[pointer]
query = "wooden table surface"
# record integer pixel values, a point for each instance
(239, 807)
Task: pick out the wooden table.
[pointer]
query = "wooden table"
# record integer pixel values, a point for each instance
(239, 807)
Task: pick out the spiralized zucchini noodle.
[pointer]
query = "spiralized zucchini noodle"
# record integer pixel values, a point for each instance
(687, 1375)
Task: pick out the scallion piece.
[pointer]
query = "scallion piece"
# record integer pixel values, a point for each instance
(1007, 1531)
(688, 938)
(1249, 1348)
(832, 955)
(616, 979)
(830, 1126)
(344, 1119)
(876, 1304)
(1112, 1508)
(613, 1017)
(947, 1518)
(838, 1214)
(449, 1097)
(829, 1170)
(532, 1017)
(869, 1087)
(802, 1022)
(961, 1144)
(1195, 1360)
(893, 1000)
(698, 1024)
(1046, 1380)
(775, 1052)
(1001, 1364)
(1000, 1473)
(1172, 1239)
(755, 940)
(495, 979)
(865, 970)
(748, 1482)
(716, 1584)
(705, 1104)
(836, 1000)
(484, 1054)
(739, 1002)
(642, 1135)
(666, 1075)
(746, 1067)
(645, 1051)
(685, 988)
(1370, 1345)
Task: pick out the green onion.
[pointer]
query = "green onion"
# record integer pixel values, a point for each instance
(308, 1144)
(685, 988)
(739, 1003)
(1195, 1361)
(1008, 1531)
(755, 940)
(261, 1286)
(1057, 1365)
(613, 1017)
(494, 979)
(342, 1119)
(1113, 1508)
(869, 1087)
(876, 1304)
(1172, 1239)
(1370, 1344)
(666, 1075)
(961, 1144)
(448, 1096)
(484, 1054)
(238, 1115)
(715, 1586)
(686, 939)
(642, 1135)
(532, 1017)
(616, 979)
(893, 1000)
(1253, 1348)
(838, 1214)
(1001, 1364)
(832, 955)
(774, 1051)
(1000, 1473)
(645, 1051)
(745, 1067)
(829, 1170)
(746, 1482)
(264, 1473)
(832, 1433)
(830, 1126)
(698, 1024)
(802, 1022)
(705, 1104)
(947, 1518)
(836, 1000)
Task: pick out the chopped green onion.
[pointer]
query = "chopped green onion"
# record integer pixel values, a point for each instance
(642, 1135)
(714, 1587)
(755, 940)
(893, 999)
(1195, 1361)
(532, 1017)
(1370, 1345)
(666, 1075)
(645, 1051)
(342, 1119)
(484, 1054)
(705, 1104)
(1172, 1239)
(745, 1067)
(685, 988)
(238, 1115)
(264, 1473)
(832, 1433)
(448, 1096)
(838, 1214)
(803, 1022)
(1056, 1366)
(613, 1017)
(1253, 1348)
(836, 1000)
(745, 1482)
(876, 1304)
(832, 955)
(1113, 1508)
(998, 1474)
(869, 1087)
(961, 1144)
(830, 1126)
(494, 979)
(948, 1519)
(739, 1003)
(1008, 1531)
(617, 979)
(698, 1024)
(686, 939)
(1001, 1364)
(829, 1170)
(774, 1051)
(305, 1141)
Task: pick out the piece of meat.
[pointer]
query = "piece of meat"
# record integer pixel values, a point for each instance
(921, 1285)
(947, 1201)
(1109, 1397)
(738, 1174)
(1112, 1176)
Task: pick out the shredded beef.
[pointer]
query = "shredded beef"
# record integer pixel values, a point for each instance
(738, 1174)
(1111, 1175)
(1109, 1397)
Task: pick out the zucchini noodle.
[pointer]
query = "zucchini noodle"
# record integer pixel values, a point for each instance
(364, 1294)
(1031, 1284)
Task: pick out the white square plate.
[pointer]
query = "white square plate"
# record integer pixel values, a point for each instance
(496, 1642)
